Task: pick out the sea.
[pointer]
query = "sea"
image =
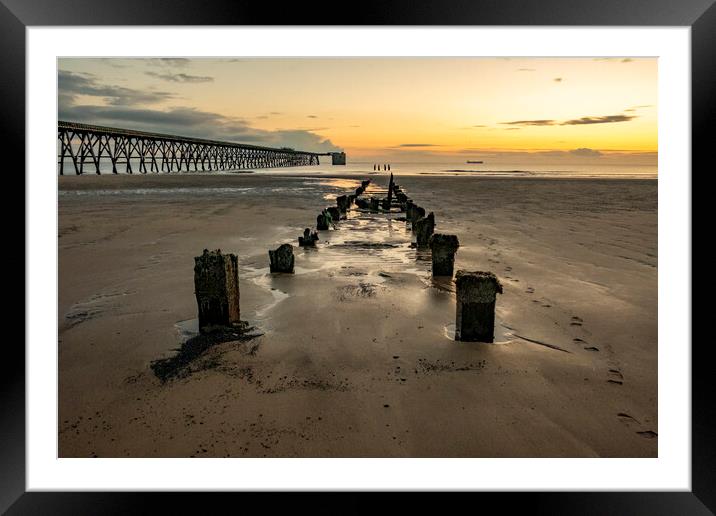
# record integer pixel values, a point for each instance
(447, 168)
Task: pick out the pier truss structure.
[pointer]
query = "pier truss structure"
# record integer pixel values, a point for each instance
(93, 148)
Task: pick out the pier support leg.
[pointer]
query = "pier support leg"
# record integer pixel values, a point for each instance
(475, 315)
(216, 284)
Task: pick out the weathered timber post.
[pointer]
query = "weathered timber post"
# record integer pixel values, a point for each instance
(424, 229)
(443, 249)
(216, 285)
(409, 209)
(322, 222)
(390, 190)
(363, 203)
(416, 214)
(334, 212)
(308, 239)
(281, 260)
(342, 203)
(475, 315)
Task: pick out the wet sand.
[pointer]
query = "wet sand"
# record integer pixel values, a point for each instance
(357, 357)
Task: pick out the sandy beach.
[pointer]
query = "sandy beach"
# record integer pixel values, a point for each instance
(357, 356)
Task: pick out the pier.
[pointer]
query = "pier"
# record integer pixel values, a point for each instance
(87, 147)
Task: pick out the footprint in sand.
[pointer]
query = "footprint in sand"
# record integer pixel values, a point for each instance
(508, 269)
(615, 376)
(576, 321)
(630, 421)
(627, 419)
(648, 434)
(530, 290)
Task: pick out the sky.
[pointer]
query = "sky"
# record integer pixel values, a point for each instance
(557, 110)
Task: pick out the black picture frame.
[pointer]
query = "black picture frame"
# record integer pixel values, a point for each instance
(17, 15)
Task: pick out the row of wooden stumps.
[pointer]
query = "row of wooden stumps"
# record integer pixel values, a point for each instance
(476, 291)
(282, 259)
(216, 275)
(216, 280)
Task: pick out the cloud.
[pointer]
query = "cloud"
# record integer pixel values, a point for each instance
(583, 151)
(71, 84)
(512, 128)
(621, 60)
(599, 119)
(585, 120)
(129, 108)
(167, 61)
(184, 121)
(311, 116)
(417, 145)
(557, 79)
(180, 77)
(113, 62)
(531, 122)
(526, 70)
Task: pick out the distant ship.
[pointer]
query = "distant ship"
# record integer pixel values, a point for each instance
(475, 161)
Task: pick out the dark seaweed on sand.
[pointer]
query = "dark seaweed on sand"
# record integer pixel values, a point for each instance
(167, 368)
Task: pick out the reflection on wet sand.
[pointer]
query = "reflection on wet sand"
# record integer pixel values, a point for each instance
(357, 356)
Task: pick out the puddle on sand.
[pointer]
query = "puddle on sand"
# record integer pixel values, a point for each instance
(502, 336)
(367, 241)
(265, 280)
(365, 244)
(187, 329)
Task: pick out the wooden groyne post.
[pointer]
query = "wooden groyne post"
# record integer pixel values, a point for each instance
(390, 191)
(281, 260)
(443, 249)
(424, 229)
(476, 294)
(343, 204)
(216, 285)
